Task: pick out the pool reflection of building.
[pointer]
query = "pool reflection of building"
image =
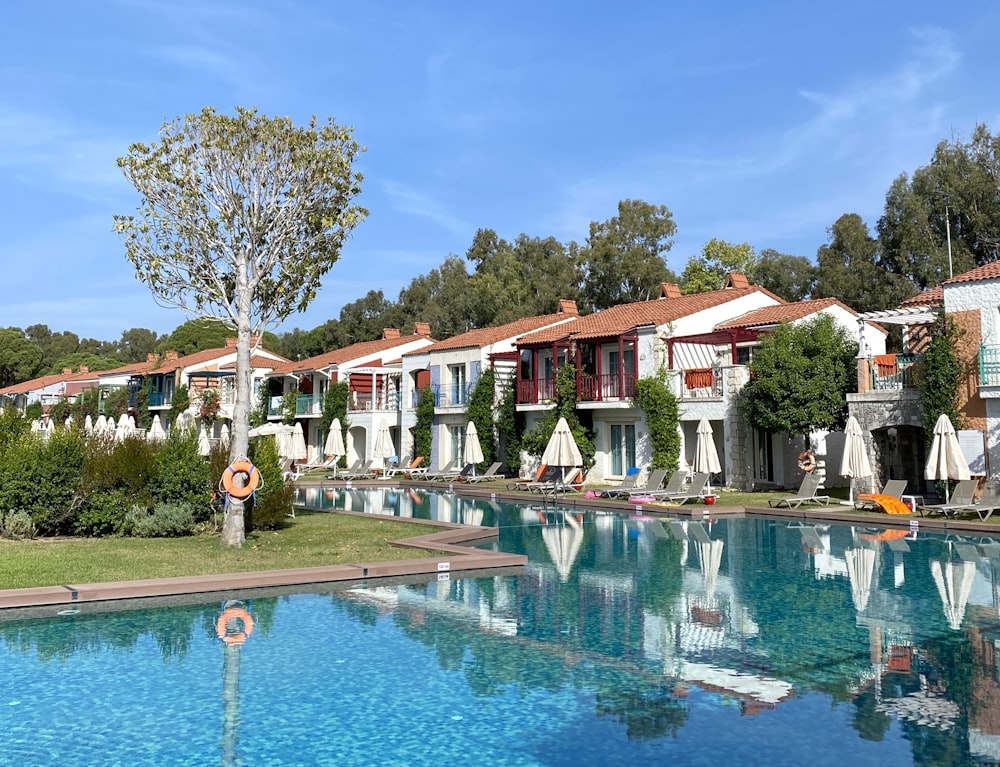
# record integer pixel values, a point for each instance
(701, 628)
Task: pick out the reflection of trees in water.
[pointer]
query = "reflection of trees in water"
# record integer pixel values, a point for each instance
(870, 723)
(647, 712)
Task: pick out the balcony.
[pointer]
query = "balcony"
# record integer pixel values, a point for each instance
(365, 401)
(603, 388)
(702, 382)
(275, 407)
(537, 391)
(308, 404)
(452, 395)
(892, 372)
(989, 365)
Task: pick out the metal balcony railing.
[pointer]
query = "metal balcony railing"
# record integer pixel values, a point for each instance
(702, 382)
(893, 371)
(536, 391)
(361, 401)
(989, 365)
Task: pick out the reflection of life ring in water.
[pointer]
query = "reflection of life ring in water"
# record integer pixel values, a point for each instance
(807, 461)
(252, 478)
(234, 613)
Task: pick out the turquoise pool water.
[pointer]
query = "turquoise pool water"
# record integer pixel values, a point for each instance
(626, 640)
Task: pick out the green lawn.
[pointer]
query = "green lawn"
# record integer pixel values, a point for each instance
(310, 540)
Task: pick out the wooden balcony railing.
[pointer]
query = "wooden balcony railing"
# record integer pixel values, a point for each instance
(606, 387)
(535, 391)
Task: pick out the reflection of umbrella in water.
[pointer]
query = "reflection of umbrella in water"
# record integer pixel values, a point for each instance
(563, 540)
(706, 456)
(861, 571)
(946, 460)
(473, 452)
(562, 449)
(710, 558)
(954, 582)
(855, 463)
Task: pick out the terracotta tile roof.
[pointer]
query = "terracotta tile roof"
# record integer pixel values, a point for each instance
(259, 362)
(622, 318)
(481, 337)
(346, 354)
(773, 315)
(930, 297)
(133, 367)
(36, 383)
(990, 271)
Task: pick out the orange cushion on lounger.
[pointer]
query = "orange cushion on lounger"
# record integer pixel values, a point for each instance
(889, 504)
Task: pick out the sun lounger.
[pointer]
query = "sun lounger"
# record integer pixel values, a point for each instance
(352, 469)
(559, 484)
(963, 501)
(806, 494)
(674, 485)
(363, 472)
(490, 473)
(544, 474)
(451, 476)
(630, 483)
(890, 500)
(411, 469)
(448, 469)
(301, 469)
(696, 489)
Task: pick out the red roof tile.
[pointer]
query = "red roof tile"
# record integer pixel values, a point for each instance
(481, 337)
(930, 297)
(622, 318)
(36, 383)
(773, 315)
(990, 271)
(346, 354)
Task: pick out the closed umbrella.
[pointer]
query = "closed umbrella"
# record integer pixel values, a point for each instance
(473, 452)
(184, 421)
(946, 461)
(954, 584)
(224, 435)
(204, 446)
(299, 450)
(383, 448)
(88, 424)
(101, 425)
(68, 424)
(706, 457)
(156, 432)
(562, 449)
(334, 445)
(855, 463)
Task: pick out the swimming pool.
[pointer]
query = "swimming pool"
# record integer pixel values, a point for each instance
(626, 640)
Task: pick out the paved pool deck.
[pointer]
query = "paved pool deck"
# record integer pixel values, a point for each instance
(451, 542)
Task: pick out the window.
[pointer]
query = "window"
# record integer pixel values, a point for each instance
(744, 355)
(458, 393)
(763, 455)
(457, 443)
(622, 448)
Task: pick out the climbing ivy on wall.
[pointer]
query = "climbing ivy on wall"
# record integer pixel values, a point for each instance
(941, 375)
(422, 431)
(660, 407)
(480, 412)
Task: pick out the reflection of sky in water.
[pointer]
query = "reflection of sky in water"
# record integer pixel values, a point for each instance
(626, 640)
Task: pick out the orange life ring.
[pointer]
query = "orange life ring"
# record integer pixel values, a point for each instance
(241, 467)
(807, 461)
(234, 613)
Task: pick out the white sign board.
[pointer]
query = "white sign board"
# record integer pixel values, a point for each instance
(973, 444)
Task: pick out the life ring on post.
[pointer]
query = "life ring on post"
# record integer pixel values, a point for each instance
(242, 466)
(807, 461)
(222, 625)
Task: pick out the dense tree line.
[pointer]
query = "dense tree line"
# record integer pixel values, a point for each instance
(623, 259)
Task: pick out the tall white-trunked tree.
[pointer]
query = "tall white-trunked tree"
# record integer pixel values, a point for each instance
(240, 218)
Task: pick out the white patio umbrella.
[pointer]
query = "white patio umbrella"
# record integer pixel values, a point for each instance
(706, 457)
(954, 583)
(855, 463)
(124, 428)
(562, 449)
(563, 540)
(271, 428)
(860, 571)
(334, 445)
(101, 425)
(946, 461)
(473, 452)
(299, 450)
(185, 421)
(88, 424)
(68, 423)
(383, 448)
(204, 446)
(224, 435)
(156, 431)
(36, 425)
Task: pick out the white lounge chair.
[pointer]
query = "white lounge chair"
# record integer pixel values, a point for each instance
(806, 494)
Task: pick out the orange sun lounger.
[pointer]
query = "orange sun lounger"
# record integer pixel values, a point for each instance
(888, 503)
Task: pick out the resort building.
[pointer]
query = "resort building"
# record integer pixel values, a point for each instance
(452, 369)
(888, 404)
(373, 372)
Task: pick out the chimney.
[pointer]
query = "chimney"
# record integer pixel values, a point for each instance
(421, 329)
(152, 358)
(568, 306)
(84, 369)
(230, 343)
(736, 280)
(67, 371)
(388, 333)
(670, 290)
(171, 357)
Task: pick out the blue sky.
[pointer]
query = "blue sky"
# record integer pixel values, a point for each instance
(752, 122)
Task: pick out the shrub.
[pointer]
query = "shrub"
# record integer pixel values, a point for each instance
(106, 513)
(12, 426)
(116, 402)
(180, 402)
(129, 465)
(33, 411)
(166, 520)
(209, 406)
(183, 473)
(43, 478)
(272, 503)
(18, 525)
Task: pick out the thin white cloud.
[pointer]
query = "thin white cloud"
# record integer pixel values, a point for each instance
(417, 203)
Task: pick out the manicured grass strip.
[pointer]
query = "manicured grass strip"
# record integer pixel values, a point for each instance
(310, 540)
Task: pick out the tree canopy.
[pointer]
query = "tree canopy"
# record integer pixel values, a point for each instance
(800, 376)
(718, 258)
(240, 217)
